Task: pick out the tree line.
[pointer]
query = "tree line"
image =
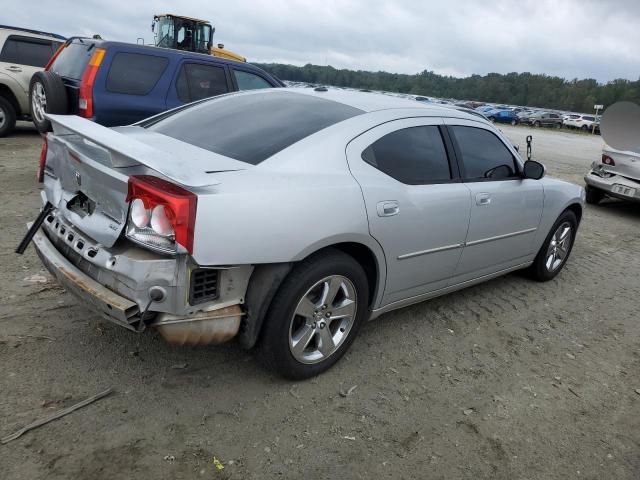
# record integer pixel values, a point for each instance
(526, 89)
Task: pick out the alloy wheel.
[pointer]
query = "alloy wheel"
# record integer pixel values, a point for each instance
(323, 319)
(38, 101)
(559, 247)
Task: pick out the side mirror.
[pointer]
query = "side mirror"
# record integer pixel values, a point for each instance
(533, 170)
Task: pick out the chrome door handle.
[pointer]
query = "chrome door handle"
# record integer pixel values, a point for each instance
(388, 208)
(483, 199)
(14, 69)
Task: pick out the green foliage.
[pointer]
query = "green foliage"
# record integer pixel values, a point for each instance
(528, 89)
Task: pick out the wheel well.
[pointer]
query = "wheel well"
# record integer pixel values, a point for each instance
(367, 261)
(8, 94)
(577, 210)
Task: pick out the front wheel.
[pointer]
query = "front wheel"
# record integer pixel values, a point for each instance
(315, 316)
(556, 248)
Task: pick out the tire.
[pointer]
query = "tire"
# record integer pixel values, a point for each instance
(593, 195)
(540, 269)
(514, 122)
(283, 323)
(584, 128)
(47, 94)
(492, 119)
(7, 117)
(536, 124)
(558, 126)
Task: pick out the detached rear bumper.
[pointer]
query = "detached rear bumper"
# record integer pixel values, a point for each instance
(110, 305)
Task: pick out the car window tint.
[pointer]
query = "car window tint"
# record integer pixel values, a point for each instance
(135, 73)
(482, 152)
(26, 51)
(250, 81)
(72, 60)
(251, 127)
(197, 81)
(413, 155)
(589, 119)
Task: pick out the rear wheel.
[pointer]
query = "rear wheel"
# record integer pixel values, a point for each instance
(7, 117)
(584, 128)
(47, 94)
(556, 248)
(315, 316)
(514, 122)
(593, 195)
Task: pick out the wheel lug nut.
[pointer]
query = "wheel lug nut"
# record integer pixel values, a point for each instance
(328, 314)
(324, 307)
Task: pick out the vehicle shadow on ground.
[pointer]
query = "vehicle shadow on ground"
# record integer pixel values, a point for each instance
(628, 210)
(24, 129)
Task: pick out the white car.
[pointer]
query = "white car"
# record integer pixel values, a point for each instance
(288, 217)
(616, 175)
(582, 122)
(22, 53)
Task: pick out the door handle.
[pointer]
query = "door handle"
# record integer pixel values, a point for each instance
(14, 69)
(388, 208)
(483, 199)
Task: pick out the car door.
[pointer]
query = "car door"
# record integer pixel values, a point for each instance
(23, 56)
(197, 80)
(418, 210)
(505, 208)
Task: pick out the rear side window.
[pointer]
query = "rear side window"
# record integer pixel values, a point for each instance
(27, 51)
(589, 119)
(413, 156)
(197, 81)
(135, 73)
(250, 81)
(73, 59)
(483, 154)
(251, 127)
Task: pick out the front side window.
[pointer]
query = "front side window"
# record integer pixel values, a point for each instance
(414, 156)
(484, 155)
(197, 81)
(135, 73)
(27, 51)
(250, 81)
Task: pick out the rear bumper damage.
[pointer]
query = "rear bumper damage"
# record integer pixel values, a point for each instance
(118, 283)
(603, 178)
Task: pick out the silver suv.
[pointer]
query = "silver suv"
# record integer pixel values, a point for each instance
(22, 53)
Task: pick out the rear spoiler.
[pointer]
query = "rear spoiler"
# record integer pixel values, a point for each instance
(127, 151)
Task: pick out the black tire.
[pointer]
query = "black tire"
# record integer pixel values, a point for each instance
(274, 345)
(536, 124)
(539, 270)
(514, 122)
(593, 195)
(55, 93)
(558, 125)
(492, 119)
(584, 128)
(7, 117)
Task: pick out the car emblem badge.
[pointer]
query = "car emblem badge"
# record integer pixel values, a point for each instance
(78, 178)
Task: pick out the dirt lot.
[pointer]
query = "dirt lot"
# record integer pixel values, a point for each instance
(508, 380)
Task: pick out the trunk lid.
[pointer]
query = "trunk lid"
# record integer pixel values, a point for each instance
(627, 163)
(88, 168)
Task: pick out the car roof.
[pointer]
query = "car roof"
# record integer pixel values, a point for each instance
(33, 32)
(372, 101)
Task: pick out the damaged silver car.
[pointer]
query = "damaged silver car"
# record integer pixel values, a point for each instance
(287, 218)
(616, 175)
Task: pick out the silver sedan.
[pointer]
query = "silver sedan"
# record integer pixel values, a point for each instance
(287, 218)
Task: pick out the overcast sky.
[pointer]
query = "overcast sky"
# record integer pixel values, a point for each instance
(571, 39)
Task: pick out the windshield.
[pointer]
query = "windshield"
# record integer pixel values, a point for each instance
(166, 33)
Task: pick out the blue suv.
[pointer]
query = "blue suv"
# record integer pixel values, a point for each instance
(114, 83)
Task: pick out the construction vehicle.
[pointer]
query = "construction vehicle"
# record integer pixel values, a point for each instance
(190, 34)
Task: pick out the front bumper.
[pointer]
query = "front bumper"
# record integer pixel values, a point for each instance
(612, 184)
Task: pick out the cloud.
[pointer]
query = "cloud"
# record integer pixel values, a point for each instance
(573, 38)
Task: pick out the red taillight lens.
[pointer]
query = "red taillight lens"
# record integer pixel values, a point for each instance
(607, 160)
(55, 55)
(85, 93)
(43, 160)
(163, 211)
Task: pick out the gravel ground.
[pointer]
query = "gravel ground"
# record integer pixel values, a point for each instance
(507, 380)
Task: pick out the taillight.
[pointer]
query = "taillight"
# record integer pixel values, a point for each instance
(161, 214)
(43, 160)
(607, 160)
(55, 55)
(85, 94)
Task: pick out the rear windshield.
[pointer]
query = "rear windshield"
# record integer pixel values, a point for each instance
(73, 59)
(252, 128)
